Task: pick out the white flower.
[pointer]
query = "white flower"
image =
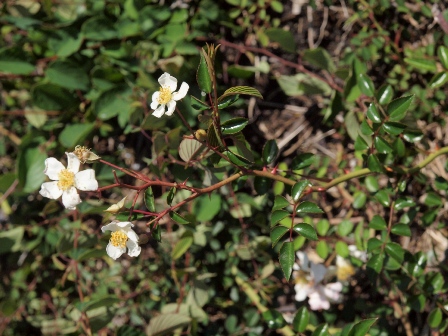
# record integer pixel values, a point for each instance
(354, 252)
(166, 97)
(344, 269)
(67, 180)
(122, 236)
(308, 284)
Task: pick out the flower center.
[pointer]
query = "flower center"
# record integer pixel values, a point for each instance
(165, 95)
(66, 179)
(345, 272)
(118, 239)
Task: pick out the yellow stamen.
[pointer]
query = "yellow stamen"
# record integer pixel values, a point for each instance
(66, 179)
(165, 95)
(344, 272)
(118, 239)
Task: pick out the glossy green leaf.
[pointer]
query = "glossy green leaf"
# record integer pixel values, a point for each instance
(394, 128)
(321, 330)
(149, 200)
(404, 202)
(382, 146)
(442, 52)
(375, 263)
(287, 258)
(306, 230)
(199, 105)
(385, 94)
(203, 77)
(31, 166)
(244, 90)
(361, 144)
(365, 128)
(412, 136)
(371, 183)
(156, 233)
(178, 218)
(302, 161)
(234, 125)
(359, 200)
(301, 320)
(366, 85)
(401, 230)
(361, 328)
(274, 319)
(373, 113)
(397, 108)
(238, 159)
(421, 63)
(433, 199)
(438, 80)
(280, 202)
(170, 196)
(270, 152)
(395, 251)
(378, 223)
(374, 245)
(383, 197)
(374, 164)
(277, 233)
(308, 207)
(298, 189)
(278, 215)
(435, 317)
(182, 246)
(228, 101)
(262, 185)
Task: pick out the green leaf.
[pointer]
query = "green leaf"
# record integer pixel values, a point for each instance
(244, 90)
(14, 61)
(359, 200)
(74, 134)
(36, 117)
(31, 165)
(298, 189)
(203, 76)
(112, 102)
(442, 52)
(322, 227)
(198, 105)
(283, 37)
(277, 233)
(382, 146)
(321, 330)
(274, 319)
(178, 218)
(373, 113)
(166, 324)
(404, 202)
(280, 202)
(361, 144)
(395, 251)
(438, 80)
(308, 207)
(302, 161)
(393, 128)
(320, 58)
(262, 185)
(52, 97)
(383, 197)
(401, 230)
(156, 233)
(397, 108)
(234, 125)
(68, 75)
(365, 128)
(435, 317)
(238, 159)
(412, 136)
(228, 101)
(149, 200)
(306, 230)
(286, 258)
(270, 152)
(374, 245)
(378, 223)
(371, 183)
(374, 164)
(366, 85)
(278, 215)
(322, 249)
(191, 149)
(99, 29)
(421, 64)
(182, 246)
(361, 328)
(65, 42)
(341, 249)
(301, 320)
(433, 199)
(375, 263)
(385, 94)
(345, 227)
(10, 240)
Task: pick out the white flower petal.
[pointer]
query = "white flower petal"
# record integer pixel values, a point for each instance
(304, 261)
(70, 198)
(85, 180)
(132, 235)
(170, 107)
(125, 225)
(155, 100)
(52, 168)
(317, 301)
(73, 163)
(115, 252)
(110, 227)
(159, 111)
(318, 271)
(50, 190)
(167, 80)
(133, 248)
(302, 290)
(181, 93)
(333, 290)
